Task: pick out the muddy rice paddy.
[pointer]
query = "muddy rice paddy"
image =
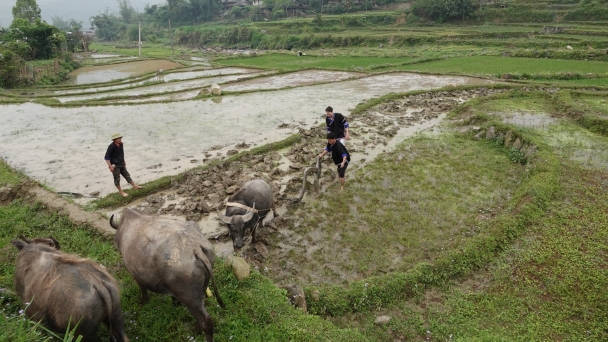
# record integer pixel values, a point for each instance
(108, 73)
(63, 148)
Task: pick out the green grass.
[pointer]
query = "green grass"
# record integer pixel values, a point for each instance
(150, 50)
(256, 310)
(438, 187)
(548, 286)
(488, 65)
(293, 62)
(9, 177)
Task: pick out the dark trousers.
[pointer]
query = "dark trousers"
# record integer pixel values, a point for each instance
(342, 170)
(121, 170)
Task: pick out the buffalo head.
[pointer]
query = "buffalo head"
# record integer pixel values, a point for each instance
(50, 241)
(236, 226)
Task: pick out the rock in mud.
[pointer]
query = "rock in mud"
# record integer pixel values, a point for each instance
(382, 320)
(240, 268)
(296, 296)
(261, 251)
(215, 89)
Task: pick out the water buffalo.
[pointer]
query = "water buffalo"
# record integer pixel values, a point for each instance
(65, 290)
(168, 256)
(245, 208)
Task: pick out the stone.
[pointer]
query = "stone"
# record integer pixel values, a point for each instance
(508, 138)
(231, 189)
(491, 133)
(382, 320)
(295, 166)
(296, 296)
(240, 268)
(214, 198)
(215, 89)
(530, 152)
(232, 152)
(262, 251)
(517, 144)
(569, 47)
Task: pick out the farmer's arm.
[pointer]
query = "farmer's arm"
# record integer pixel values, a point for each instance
(325, 151)
(108, 158)
(346, 126)
(344, 156)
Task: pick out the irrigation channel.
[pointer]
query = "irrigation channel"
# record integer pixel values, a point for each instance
(63, 147)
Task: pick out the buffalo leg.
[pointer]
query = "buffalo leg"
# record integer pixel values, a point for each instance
(204, 322)
(175, 301)
(144, 294)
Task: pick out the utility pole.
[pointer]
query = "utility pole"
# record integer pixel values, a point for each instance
(171, 38)
(139, 44)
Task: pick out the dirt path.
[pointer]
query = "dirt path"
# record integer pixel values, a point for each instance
(57, 204)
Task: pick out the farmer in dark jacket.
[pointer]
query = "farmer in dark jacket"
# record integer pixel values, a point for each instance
(339, 155)
(337, 124)
(115, 158)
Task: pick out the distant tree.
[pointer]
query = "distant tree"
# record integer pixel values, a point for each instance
(127, 12)
(108, 26)
(26, 9)
(65, 25)
(443, 10)
(459, 8)
(133, 33)
(44, 39)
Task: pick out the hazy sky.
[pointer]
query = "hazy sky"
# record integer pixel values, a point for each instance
(81, 10)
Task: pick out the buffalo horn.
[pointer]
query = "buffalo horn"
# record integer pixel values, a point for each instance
(249, 214)
(112, 223)
(224, 218)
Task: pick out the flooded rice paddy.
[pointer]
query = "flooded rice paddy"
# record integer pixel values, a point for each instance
(108, 73)
(64, 147)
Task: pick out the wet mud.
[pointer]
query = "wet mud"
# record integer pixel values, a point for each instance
(292, 80)
(159, 88)
(64, 147)
(203, 192)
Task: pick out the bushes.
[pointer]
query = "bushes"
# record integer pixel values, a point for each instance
(589, 10)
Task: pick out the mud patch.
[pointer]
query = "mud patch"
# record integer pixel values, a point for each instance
(281, 250)
(299, 78)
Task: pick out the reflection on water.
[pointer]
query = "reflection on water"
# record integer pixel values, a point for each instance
(108, 73)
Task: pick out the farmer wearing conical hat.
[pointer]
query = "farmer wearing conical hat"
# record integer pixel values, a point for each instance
(115, 158)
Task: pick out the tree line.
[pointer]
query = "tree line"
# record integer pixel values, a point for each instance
(30, 38)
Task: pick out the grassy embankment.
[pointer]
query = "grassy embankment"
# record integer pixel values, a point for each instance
(490, 248)
(547, 283)
(525, 261)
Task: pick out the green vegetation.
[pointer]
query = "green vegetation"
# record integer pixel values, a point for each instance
(8, 176)
(256, 310)
(454, 236)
